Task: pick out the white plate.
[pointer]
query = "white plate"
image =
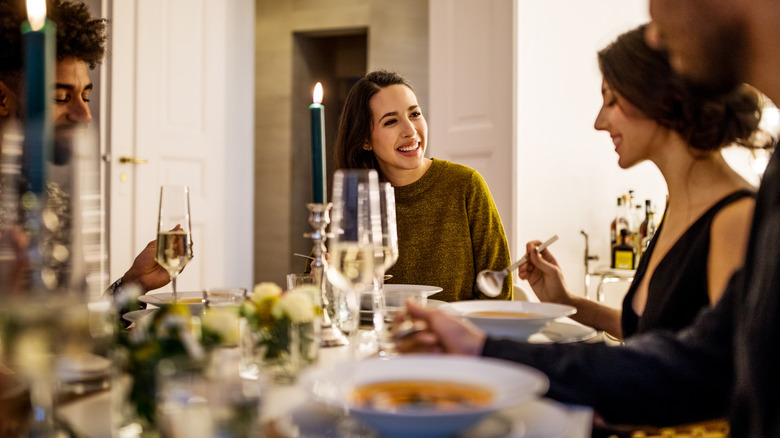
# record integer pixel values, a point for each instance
(193, 299)
(425, 290)
(512, 384)
(78, 367)
(434, 304)
(516, 328)
(563, 331)
(137, 315)
(88, 416)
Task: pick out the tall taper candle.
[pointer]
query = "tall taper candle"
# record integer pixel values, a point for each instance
(317, 111)
(39, 52)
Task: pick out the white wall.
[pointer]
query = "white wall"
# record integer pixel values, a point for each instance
(567, 172)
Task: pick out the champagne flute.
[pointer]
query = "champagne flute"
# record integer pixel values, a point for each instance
(355, 247)
(356, 227)
(174, 232)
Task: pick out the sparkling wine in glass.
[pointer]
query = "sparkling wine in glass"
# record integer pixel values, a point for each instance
(174, 236)
(355, 248)
(356, 229)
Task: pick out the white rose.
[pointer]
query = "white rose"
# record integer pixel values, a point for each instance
(312, 291)
(223, 322)
(264, 291)
(296, 305)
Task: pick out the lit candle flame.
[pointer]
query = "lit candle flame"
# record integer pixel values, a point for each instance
(317, 93)
(36, 14)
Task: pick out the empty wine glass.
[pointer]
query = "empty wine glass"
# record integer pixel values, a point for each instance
(389, 231)
(174, 236)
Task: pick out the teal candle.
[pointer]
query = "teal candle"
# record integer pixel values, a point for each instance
(39, 54)
(317, 112)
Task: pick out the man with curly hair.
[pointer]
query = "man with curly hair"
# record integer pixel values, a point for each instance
(81, 45)
(81, 41)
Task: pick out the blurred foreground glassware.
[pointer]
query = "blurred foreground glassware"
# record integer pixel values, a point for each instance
(206, 400)
(319, 218)
(278, 351)
(356, 247)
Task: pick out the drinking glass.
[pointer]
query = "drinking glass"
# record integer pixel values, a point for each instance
(356, 227)
(389, 229)
(174, 236)
(298, 280)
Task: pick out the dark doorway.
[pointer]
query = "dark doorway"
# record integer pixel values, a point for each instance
(337, 59)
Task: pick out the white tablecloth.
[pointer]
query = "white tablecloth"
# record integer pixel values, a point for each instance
(290, 412)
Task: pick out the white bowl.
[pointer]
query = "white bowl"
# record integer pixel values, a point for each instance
(511, 384)
(509, 326)
(193, 299)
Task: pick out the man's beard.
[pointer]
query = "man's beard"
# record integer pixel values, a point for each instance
(65, 138)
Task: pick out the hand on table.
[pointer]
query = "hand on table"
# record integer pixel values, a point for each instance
(544, 275)
(444, 333)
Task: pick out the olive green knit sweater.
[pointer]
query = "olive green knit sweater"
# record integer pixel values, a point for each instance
(449, 230)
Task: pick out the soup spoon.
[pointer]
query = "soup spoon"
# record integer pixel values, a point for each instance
(490, 282)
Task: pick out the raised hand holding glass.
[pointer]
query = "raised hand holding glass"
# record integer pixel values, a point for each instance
(174, 236)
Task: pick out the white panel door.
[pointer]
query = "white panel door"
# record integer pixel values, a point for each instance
(177, 83)
(472, 79)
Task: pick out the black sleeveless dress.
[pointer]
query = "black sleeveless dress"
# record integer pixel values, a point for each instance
(678, 289)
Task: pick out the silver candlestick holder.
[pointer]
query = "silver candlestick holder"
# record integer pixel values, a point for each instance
(319, 219)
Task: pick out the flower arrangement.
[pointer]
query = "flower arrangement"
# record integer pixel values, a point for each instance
(280, 330)
(169, 334)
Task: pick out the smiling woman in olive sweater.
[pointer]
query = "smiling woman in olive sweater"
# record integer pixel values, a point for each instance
(448, 225)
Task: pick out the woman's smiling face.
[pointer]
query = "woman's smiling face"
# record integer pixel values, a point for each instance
(633, 133)
(398, 133)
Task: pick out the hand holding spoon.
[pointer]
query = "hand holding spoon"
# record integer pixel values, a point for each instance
(490, 282)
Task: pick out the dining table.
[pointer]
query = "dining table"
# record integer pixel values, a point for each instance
(288, 410)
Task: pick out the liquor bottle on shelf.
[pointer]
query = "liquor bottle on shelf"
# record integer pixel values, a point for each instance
(647, 229)
(624, 253)
(637, 219)
(620, 222)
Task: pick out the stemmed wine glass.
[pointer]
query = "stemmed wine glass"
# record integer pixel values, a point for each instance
(174, 235)
(389, 256)
(355, 246)
(389, 230)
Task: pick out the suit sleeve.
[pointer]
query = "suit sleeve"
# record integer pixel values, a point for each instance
(657, 378)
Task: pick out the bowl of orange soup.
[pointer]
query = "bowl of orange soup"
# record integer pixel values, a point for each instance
(512, 319)
(423, 395)
(193, 299)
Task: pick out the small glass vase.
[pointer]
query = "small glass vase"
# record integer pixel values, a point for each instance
(132, 397)
(279, 351)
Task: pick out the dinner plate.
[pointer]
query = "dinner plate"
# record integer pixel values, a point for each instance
(510, 384)
(563, 331)
(434, 304)
(78, 367)
(137, 315)
(503, 318)
(193, 299)
(395, 297)
(425, 290)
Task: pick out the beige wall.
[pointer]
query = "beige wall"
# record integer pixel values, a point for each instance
(397, 39)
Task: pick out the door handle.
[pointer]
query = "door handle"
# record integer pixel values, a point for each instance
(133, 160)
